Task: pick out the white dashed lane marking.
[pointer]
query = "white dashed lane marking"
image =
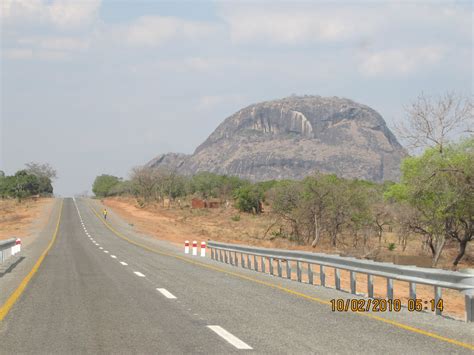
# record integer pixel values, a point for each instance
(100, 247)
(123, 263)
(166, 293)
(230, 338)
(138, 273)
(106, 251)
(113, 257)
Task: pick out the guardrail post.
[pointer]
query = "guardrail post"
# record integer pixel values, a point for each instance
(412, 290)
(279, 267)
(322, 275)
(288, 269)
(310, 274)
(236, 259)
(337, 279)
(271, 266)
(225, 257)
(249, 264)
(437, 298)
(262, 262)
(255, 263)
(469, 301)
(370, 286)
(469, 295)
(242, 260)
(231, 260)
(221, 256)
(353, 283)
(390, 288)
(298, 271)
(212, 253)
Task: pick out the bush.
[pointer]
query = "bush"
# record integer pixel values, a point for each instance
(235, 218)
(249, 199)
(103, 185)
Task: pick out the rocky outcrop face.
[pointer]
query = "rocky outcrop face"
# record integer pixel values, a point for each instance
(292, 138)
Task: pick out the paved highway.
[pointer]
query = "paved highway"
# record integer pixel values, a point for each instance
(99, 292)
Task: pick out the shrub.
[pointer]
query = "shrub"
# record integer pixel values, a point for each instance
(249, 199)
(103, 185)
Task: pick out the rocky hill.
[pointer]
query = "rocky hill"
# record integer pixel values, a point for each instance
(293, 137)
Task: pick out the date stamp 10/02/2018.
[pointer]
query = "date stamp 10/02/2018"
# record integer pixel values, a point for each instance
(385, 305)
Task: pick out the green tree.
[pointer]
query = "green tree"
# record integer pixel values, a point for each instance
(439, 185)
(103, 185)
(23, 185)
(249, 198)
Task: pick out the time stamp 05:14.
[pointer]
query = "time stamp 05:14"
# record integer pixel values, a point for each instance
(385, 305)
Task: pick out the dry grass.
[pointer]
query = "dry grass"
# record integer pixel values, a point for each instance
(18, 219)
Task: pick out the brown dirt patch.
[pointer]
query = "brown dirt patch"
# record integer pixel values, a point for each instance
(23, 219)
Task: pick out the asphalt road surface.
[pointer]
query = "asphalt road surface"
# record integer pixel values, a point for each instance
(98, 293)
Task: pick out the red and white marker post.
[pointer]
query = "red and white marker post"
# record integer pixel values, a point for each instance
(203, 249)
(17, 247)
(195, 248)
(186, 247)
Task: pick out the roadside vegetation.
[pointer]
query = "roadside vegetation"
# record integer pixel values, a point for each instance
(35, 180)
(433, 203)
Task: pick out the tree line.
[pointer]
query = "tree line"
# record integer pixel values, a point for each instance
(35, 179)
(434, 199)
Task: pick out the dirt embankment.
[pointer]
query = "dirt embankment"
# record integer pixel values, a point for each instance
(24, 219)
(227, 225)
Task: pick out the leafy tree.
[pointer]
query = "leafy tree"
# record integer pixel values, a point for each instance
(249, 198)
(22, 185)
(103, 185)
(439, 186)
(212, 185)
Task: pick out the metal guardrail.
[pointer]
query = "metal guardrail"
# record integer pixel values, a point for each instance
(7, 249)
(461, 281)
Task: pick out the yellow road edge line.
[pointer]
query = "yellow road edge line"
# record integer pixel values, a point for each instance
(5, 308)
(295, 293)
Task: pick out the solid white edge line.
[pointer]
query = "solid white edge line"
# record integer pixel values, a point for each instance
(123, 263)
(138, 273)
(166, 293)
(230, 338)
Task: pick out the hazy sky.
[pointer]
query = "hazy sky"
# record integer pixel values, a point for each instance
(101, 86)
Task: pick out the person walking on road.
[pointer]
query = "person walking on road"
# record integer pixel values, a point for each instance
(104, 212)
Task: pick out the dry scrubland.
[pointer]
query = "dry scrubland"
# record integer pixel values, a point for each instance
(228, 225)
(23, 219)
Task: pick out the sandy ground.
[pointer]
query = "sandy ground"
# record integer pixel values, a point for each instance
(24, 220)
(177, 225)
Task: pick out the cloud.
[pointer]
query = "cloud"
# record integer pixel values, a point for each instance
(18, 53)
(150, 31)
(62, 14)
(296, 24)
(399, 61)
(61, 43)
(309, 23)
